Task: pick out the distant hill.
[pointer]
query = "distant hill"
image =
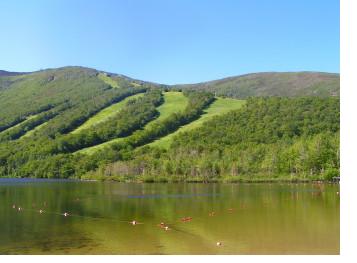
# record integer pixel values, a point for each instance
(284, 84)
(4, 73)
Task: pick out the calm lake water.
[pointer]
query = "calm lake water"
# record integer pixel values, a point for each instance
(247, 219)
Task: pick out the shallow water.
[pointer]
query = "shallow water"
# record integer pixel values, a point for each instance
(248, 218)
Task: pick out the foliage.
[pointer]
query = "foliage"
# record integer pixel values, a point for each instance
(268, 137)
(49, 117)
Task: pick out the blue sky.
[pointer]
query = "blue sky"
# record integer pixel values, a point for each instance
(177, 41)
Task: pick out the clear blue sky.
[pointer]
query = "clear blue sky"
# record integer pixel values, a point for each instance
(177, 41)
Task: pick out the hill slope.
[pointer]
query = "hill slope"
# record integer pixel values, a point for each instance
(143, 129)
(266, 139)
(174, 102)
(74, 91)
(219, 107)
(284, 84)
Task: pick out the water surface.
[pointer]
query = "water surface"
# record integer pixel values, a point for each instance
(247, 219)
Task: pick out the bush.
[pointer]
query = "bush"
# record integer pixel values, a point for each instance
(330, 173)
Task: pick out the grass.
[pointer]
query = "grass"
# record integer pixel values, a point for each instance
(20, 123)
(108, 80)
(106, 113)
(173, 102)
(31, 132)
(218, 107)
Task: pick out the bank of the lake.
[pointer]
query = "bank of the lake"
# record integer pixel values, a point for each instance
(227, 179)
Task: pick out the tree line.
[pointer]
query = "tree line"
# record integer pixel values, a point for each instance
(269, 138)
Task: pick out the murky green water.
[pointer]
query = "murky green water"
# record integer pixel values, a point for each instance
(247, 218)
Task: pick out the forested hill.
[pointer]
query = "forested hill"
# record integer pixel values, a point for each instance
(74, 91)
(77, 122)
(285, 84)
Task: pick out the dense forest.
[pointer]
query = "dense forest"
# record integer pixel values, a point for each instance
(269, 138)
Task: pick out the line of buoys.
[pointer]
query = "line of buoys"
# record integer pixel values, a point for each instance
(162, 225)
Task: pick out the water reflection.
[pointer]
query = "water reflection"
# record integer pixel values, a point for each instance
(244, 218)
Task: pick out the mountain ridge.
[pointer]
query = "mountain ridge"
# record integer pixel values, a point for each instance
(274, 83)
(289, 84)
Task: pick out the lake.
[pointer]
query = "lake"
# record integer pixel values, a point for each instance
(277, 218)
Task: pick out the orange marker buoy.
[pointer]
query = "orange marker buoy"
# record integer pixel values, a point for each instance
(186, 219)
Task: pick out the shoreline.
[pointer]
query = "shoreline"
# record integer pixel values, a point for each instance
(113, 180)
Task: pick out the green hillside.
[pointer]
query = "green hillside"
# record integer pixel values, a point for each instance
(174, 102)
(76, 122)
(266, 139)
(26, 119)
(108, 80)
(219, 107)
(285, 84)
(33, 131)
(106, 113)
(74, 91)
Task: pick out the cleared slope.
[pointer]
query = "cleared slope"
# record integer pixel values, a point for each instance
(219, 107)
(106, 113)
(284, 84)
(108, 80)
(20, 123)
(31, 132)
(78, 88)
(25, 95)
(173, 102)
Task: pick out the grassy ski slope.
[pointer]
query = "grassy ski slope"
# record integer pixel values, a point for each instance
(20, 123)
(108, 80)
(218, 107)
(173, 102)
(106, 113)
